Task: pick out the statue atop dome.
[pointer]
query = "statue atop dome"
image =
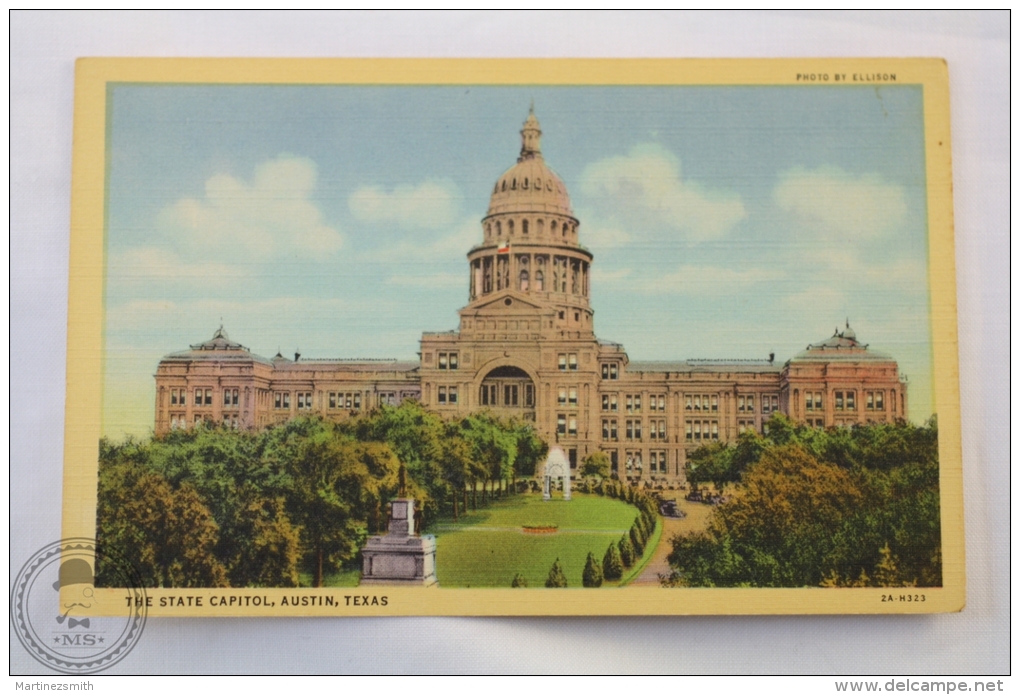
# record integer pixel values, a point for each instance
(531, 137)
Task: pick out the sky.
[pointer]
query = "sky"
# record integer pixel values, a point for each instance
(725, 222)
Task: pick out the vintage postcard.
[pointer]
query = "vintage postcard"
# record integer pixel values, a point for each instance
(511, 337)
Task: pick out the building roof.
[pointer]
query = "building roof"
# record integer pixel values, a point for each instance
(345, 365)
(530, 185)
(220, 348)
(842, 346)
(707, 366)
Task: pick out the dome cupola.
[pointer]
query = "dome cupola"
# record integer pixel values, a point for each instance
(530, 186)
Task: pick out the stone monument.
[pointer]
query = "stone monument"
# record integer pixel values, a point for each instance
(401, 556)
(556, 466)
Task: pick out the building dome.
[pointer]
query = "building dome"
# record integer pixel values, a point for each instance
(530, 185)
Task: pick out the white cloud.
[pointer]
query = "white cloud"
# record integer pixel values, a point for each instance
(597, 236)
(690, 280)
(420, 249)
(600, 275)
(429, 205)
(647, 181)
(272, 214)
(149, 266)
(430, 281)
(831, 201)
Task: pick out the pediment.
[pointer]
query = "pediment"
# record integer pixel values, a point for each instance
(518, 305)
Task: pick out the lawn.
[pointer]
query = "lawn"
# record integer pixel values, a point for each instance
(488, 547)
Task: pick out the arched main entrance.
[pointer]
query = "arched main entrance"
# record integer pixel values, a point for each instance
(508, 389)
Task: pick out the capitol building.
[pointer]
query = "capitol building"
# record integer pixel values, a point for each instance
(526, 347)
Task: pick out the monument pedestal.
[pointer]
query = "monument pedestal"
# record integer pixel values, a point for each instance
(401, 557)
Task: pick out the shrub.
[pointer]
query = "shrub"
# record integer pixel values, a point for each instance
(556, 578)
(637, 540)
(626, 551)
(612, 564)
(591, 577)
(519, 582)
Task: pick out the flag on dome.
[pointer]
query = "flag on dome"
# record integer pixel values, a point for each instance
(504, 247)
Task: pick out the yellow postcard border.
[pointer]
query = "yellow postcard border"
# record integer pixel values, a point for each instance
(85, 327)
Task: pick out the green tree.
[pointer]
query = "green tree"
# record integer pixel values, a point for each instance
(612, 564)
(337, 482)
(519, 581)
(263, 547)
(637, 540)
(556, 578)
(530, 450)
(415, 435)
(596, 465)
(169, 534)
(455, 462)
(591, 576)
(626, 551)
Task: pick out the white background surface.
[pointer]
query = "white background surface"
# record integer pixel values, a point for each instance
(976, 46)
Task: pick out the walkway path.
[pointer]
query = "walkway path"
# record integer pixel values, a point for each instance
(696, 519)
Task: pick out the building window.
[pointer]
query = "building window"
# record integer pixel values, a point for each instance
(304, 401)
(634, 430)
(332, 400)
(231, 398)
(715, 404)
(609, 402)
(488, 394)
(562, 400)
(812, 400)
(442, 394)
(850, 395)
(657, 403)
(572, 361)
(689, 431)
(173, 401)
(688, 403)
(453, 394)
(657, 430)
(715, 429)
(447, 360)
(879, 400)
(572, 397)
(609, 431)
(510, 395)
(745, 404)
(529, 395)
(561, 424)
(562, 358)
(657, 461)
(839, 400)
(572, 426)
